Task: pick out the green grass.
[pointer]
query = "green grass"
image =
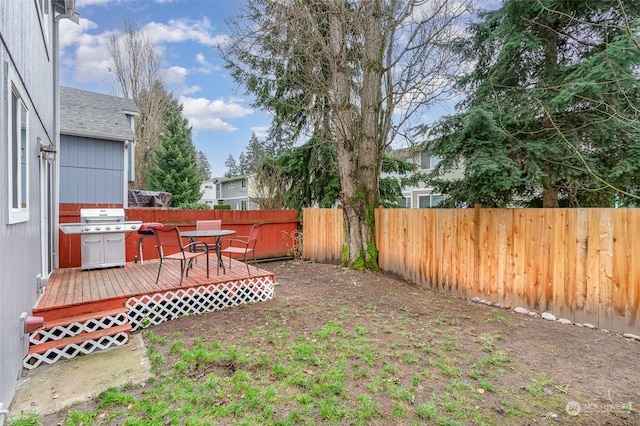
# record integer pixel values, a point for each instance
(359, 368)
(27, 418)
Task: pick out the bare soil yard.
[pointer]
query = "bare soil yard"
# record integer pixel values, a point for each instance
(397, 354)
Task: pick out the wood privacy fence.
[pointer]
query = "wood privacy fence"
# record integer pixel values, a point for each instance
(579, 264)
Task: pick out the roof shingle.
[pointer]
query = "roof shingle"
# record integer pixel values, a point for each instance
(95, 115)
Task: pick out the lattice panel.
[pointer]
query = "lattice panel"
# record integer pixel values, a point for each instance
(160, 307)
(75, 328)
(88, 346)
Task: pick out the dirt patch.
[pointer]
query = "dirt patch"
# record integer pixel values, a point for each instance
(594, 369)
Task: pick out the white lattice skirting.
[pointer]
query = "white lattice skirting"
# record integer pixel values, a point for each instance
(70, 351)
(160, 307)
(75, 328)
(147, 310)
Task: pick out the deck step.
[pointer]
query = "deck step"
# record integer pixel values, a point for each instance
(83, 317)
(80, 324)
(81, 344)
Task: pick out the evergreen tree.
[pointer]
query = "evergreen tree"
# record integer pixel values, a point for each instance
(204, 168)
(232, 167)
(176, 170)
(254, 153)
(243, 165)
(307, 176)
(552, 113)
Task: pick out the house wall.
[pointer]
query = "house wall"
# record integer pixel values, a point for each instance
(234, 193)
(25, 56)
(91, 170)
(208, 193)
(426, 162)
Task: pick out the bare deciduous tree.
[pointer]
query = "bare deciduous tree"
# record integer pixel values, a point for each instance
(366, 66)
(136, 69)
(269, 187)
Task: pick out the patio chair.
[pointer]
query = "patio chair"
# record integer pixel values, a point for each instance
(207, 225)
(243, 245)
(169, 237)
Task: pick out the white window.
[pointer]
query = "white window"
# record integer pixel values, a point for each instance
(243, 205)
(243, 183)
(18, 125)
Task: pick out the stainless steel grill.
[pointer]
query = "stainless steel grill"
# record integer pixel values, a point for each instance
(102, 235)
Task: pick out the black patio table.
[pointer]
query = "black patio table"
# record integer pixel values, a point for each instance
(193, 236)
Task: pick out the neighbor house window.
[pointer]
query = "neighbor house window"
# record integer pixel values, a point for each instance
(18, 120)
(428, 161)
(404, 202)
(243, 205)
(427, 201)
(243, 183)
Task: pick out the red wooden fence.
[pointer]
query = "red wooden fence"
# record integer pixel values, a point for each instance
(275, 241)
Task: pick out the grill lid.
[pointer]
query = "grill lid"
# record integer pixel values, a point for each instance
(101, 215)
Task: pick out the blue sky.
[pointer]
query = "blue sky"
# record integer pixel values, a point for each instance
(185, 33)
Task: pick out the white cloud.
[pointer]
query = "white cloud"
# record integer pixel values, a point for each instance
(70, 33)
(260, 131)
(205, 66)
(175, 77)
(184, 29)
(90, 60)
(203, 113)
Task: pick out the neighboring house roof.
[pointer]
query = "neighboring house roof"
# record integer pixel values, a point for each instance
(95, 115)
(229, 179)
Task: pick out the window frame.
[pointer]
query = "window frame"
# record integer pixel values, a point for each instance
(44, 15)
(18, 168)
(407, 202)
(430, 198)
(429, 161)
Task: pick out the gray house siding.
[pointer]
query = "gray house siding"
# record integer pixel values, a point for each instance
(26, 61)
(234, 192)
(97, 145)
(91, 170)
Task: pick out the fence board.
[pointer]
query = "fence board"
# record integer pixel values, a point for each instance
(581, 253)
(606, 270)
(575, 263)
(621, 255)
(558, 287)
(633, 298)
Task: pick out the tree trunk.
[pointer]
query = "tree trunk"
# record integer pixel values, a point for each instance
(550, 198)
(359, 150)
(549, 190)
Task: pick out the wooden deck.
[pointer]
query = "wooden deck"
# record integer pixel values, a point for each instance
(85, 311)
(74, 291)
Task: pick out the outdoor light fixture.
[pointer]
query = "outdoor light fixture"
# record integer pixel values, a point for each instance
(48, 152)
